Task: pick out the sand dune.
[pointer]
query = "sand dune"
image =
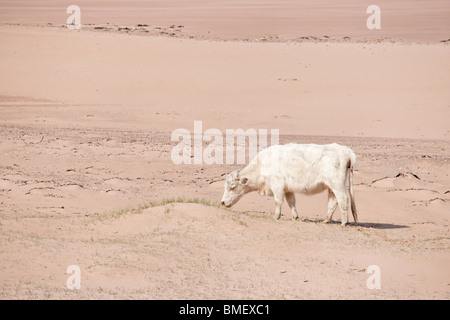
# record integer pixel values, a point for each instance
(407, 20)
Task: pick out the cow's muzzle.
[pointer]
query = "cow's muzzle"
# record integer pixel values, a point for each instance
(222, 203)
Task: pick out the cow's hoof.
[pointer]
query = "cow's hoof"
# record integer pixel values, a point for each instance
(326, 221)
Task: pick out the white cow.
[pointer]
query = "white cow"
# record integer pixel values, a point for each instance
(281, 170)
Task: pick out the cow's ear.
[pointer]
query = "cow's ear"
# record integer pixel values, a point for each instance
(244, 180)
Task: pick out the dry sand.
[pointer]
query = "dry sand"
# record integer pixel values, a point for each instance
(85, 126)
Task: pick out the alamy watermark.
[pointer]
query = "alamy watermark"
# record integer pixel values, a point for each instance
(374, 20)
(74, 20)
(374, 280)
(190, 148)
(74, 280)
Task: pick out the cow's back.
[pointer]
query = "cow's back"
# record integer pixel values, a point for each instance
(303, 167)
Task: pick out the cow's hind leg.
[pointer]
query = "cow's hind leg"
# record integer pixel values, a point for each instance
(342, 199)
(290, 199)
(332, 204)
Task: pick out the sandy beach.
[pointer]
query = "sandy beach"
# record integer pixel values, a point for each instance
(87, 177)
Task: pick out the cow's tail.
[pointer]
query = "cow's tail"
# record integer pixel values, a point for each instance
(352, 161)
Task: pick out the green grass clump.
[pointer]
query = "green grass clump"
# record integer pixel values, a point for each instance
(151, 204)
(163, 202)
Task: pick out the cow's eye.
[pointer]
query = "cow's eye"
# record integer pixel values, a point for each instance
(232, 188)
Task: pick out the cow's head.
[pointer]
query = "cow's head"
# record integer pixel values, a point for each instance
(235, 188)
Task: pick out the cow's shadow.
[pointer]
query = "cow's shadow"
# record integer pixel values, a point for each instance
(369, 225)
(375, 225)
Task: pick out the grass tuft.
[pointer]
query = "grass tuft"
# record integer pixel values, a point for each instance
(151, 204)
(163, 202)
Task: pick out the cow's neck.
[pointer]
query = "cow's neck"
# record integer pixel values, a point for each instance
(252, 173)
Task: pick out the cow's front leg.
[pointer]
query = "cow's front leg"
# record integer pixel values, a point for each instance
(278, 196)
(290, 199)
